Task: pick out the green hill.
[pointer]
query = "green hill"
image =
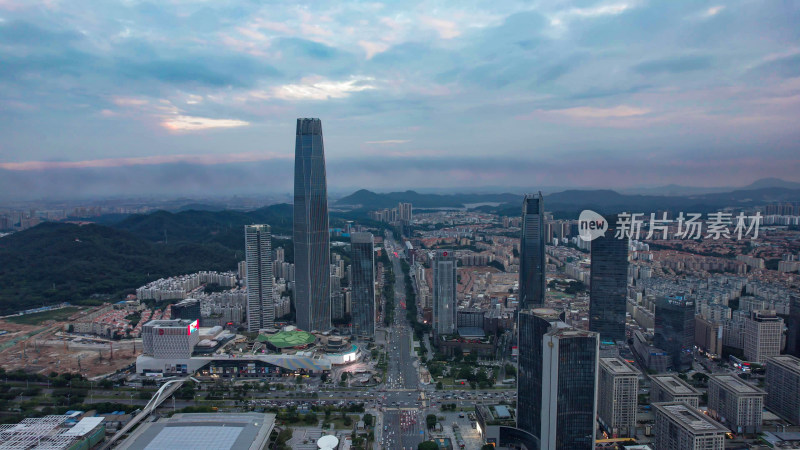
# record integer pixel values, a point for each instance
(225, 228)
(56, 262)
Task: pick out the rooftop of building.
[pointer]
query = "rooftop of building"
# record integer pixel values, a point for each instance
(674, 385)
(569, 332)
(361, 238)
(764, 315)
(288, 339)
(690, 418)
(618, 366)
(787, 361)
(55, 432)
(186, 301)
(471, 332)
(736, 385)
(237, 431)
(167, 323)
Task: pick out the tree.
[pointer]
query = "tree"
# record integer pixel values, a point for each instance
(368, 420)
(439, 385)
(487, 447)
(428, 445)
(700, 378)
(430, 421)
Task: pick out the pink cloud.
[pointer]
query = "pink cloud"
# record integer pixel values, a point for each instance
(588, 112)
(445, 28)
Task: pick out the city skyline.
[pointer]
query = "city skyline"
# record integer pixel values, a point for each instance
(135, 99)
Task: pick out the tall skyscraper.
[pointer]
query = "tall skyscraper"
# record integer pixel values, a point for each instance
(608, 287)
(557, 382)
(793, 324)
(312, 257)
(531, 253)
(362, 273)
(444, 292)
(569, 398)
(675, 330)
(258, 253)
(532, 327)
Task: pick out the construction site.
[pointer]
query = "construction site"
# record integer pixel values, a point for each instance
(47, 347)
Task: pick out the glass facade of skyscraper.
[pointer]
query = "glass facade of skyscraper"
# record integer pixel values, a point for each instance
(675, 330)
(362, 288)
(258, 254)
(569, 406)
(608, 287)
(444, 292)
(311, 233)
(532, 327)
(531, 259)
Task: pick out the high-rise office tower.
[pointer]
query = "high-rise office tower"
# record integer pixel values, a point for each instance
(608, 287)
(675, 330)
(617, 397)
(311, 234)
(258, 253)
(793, 336)
(763, 331)
(557, 381)
(337, 298)
(362, 287)
(532, 326)
(569, 397)
(444, 292)
(532, 262)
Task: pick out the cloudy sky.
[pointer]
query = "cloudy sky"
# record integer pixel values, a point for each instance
(182, 96)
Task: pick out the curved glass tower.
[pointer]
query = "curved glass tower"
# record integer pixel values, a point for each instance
(311, 239)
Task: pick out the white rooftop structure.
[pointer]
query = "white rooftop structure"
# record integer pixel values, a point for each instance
(328, 442)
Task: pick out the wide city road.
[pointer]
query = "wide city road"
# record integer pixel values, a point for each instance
(402, 417)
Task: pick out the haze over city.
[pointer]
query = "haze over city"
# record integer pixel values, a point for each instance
(195, 97)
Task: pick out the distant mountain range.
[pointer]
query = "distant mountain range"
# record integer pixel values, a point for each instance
(677, 190)
(369, 199)
(605, 201)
